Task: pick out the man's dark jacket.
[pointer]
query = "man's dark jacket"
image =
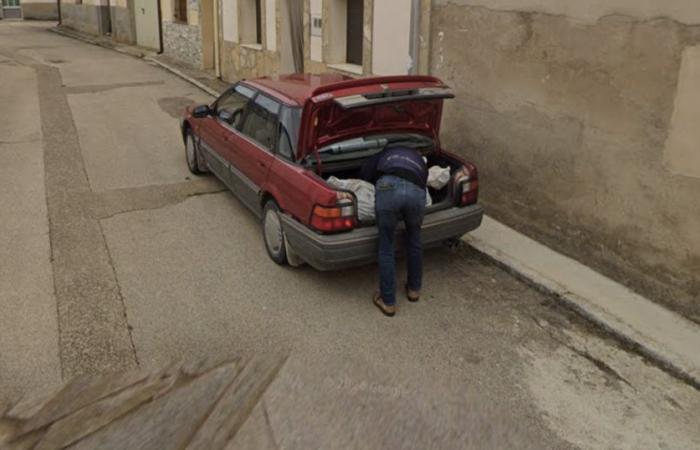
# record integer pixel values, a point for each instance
(402, 162)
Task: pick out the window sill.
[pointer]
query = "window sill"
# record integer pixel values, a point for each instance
(257, 47)
(352, 69)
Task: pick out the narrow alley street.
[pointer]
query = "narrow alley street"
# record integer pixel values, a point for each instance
(113, 256)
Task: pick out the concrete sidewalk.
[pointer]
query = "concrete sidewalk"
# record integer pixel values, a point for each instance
(660, 334)
(656, 332)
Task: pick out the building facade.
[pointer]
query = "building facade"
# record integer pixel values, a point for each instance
(582, 116)
(247, 38)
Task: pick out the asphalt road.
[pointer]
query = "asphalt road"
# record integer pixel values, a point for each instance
(113, 257)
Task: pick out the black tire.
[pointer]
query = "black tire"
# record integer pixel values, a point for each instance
(192, 155)
(272, 233)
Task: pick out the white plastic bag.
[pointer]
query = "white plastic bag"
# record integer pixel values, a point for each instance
(428, 198)
(438, 177)
(364, 192)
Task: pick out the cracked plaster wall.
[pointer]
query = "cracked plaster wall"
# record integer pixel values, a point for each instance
(566, 109)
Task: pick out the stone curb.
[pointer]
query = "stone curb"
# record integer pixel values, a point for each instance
(182, 75)
(609, 323)
(133, 51)
(667, 359)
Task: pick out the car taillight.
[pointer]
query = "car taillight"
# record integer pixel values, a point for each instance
(467, 185)
(340, 217)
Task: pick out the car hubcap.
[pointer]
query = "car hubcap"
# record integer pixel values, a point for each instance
(273, 232)
(190, 152)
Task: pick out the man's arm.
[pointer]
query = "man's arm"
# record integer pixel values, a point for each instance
(368, 171)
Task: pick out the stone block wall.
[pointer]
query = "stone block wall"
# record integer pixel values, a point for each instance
(567, 110)
(183, 42)
(239, 62)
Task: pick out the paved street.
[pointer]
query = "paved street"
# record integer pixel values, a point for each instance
(112, 256)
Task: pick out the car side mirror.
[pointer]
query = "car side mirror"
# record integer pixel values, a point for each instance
(226, 116)
(201, 111)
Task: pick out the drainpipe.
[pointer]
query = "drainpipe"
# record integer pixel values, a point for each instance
(160, 26)
(217, 56)
(414, 43)
(58, 4)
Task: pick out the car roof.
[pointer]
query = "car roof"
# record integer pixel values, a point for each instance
(296, 88)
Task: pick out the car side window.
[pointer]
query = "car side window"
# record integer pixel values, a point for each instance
(289, 119)
(260, 123)
(230, 106)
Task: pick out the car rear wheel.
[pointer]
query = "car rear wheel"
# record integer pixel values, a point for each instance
(272, 233)
(192, 155)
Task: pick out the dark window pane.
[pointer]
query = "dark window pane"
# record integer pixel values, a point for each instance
(233, 103)
(355, 16)
(290, 118)
(261, 121)
(258, 22)
(181, 10)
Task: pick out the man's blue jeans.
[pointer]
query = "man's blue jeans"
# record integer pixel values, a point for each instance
(398, 199)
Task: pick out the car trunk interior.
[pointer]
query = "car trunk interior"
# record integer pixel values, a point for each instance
(350, 169)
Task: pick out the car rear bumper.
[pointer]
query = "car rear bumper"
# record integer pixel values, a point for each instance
(358, 247)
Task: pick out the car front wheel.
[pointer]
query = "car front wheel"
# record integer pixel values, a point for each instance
(192, 155)
(272, 233)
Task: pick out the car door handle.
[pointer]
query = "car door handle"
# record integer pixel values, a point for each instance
(262, 164)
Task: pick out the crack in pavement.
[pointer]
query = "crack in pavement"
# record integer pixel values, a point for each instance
(160, 206)
(105, 205)
(95, 88)
(597, 362)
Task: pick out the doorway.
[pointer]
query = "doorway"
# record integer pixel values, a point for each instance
(355, 25)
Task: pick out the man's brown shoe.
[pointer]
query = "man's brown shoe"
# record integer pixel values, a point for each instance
(388, 310)
(412, 296)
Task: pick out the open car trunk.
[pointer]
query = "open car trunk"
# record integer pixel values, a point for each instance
(441, 199)
(344, 118)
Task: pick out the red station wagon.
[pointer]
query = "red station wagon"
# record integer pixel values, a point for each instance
(274, 141)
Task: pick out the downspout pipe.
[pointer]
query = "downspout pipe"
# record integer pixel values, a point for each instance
(414, 44)
(58, 5)
(160, 26)
(217, 51)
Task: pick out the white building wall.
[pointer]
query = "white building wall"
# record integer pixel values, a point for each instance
(229, 19)
(271, 24)
(391, 34)
(316, 42)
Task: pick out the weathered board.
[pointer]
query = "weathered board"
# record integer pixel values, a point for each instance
(194, 406)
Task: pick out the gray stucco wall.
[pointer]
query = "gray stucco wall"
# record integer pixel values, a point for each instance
(123, 26)
(183, 42)
(567, 119)
(40, 11)
(86, 18)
